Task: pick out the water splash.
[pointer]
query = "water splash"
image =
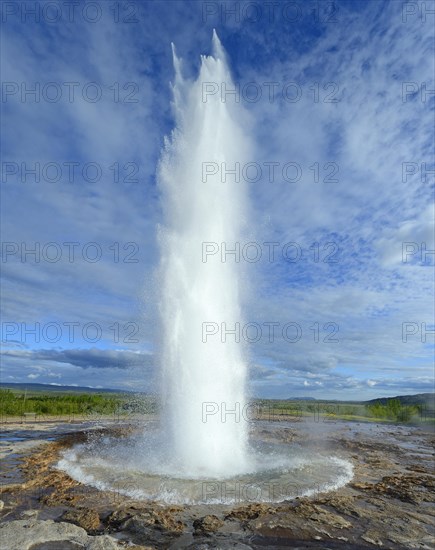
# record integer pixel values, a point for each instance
(202, 208)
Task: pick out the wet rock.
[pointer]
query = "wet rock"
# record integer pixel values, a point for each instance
(344, 505)
(27, 514)
(207, 524)
(318, 514)
(165, 521)
(87, 518)
(407, 488)
(118, 517)
(142, 522)
(372, 538)
(220, 545)
(421, 541)
(252, 511)
(361, 485)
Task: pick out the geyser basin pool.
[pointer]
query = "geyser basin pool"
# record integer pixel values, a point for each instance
(141, 468)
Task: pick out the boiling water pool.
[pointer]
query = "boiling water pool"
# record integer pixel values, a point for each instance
(132, 466)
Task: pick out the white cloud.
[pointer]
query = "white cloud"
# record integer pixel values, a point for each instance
(369, 213)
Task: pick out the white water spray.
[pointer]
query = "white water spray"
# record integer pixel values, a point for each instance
(202, 376)
(171, 467)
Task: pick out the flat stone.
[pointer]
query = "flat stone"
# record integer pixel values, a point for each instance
(102, 543)
(27, 514)
(33, 534)
(25, 534)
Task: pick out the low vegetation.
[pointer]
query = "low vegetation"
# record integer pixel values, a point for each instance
(72, 404)
(392, 410)
(395, 410)
(93, 405)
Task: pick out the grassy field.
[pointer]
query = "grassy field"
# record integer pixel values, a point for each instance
(39, 405)
(18, 403)
(324, 411)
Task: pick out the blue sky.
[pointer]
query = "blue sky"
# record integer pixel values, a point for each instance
(361, 72)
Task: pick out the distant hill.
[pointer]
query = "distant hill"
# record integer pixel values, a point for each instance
(55, 388)
(417, 399)
(300, 399)
(427, 399)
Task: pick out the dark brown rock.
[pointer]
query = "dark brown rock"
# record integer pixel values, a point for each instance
(207, 524)
(252, 511)
(87, 518)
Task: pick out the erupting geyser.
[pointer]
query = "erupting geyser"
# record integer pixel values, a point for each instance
(202, 372)
(198, 457)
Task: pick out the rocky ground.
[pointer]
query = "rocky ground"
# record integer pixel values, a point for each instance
(388, 504)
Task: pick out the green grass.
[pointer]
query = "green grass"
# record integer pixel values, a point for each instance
(17, 403)
(392, 411)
